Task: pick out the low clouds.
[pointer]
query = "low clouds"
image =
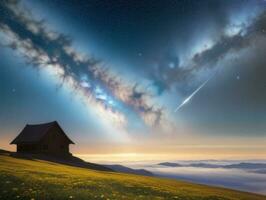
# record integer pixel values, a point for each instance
(87, 75)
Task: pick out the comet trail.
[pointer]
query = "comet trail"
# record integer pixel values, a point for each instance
(194, 93)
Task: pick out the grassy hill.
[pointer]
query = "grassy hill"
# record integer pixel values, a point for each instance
(36, 179)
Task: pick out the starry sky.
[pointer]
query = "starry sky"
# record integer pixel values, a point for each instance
(180, 78)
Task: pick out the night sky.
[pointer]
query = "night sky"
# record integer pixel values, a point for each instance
(185, 78)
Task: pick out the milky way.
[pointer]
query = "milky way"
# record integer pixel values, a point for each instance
(45, 48)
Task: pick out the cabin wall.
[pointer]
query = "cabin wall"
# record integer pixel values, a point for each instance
(27, 148)
(55, 142)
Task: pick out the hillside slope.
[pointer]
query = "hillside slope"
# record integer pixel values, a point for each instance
(69, 160)
(35, 179)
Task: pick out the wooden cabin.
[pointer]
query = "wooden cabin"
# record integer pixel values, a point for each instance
(48, 138)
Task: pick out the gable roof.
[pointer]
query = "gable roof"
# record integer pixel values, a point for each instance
(35, 132)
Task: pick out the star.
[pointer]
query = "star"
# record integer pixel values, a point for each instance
(171, 65)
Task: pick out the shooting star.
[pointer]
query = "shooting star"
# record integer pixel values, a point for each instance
(194, 93)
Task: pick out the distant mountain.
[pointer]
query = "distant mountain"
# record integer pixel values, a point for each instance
(246, 166)
(123, 169)
(243, 165)
(205, 165)
(259, 171)
(169, 164)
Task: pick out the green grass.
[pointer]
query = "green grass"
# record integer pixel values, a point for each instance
(35, 179)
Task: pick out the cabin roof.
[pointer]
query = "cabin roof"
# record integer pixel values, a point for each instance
(33, 133)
